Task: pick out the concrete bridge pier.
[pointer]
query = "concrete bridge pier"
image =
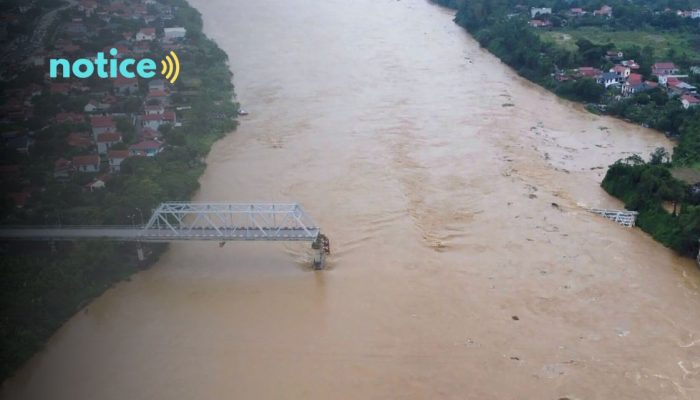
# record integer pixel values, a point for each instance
(322, 248)
(139, 252)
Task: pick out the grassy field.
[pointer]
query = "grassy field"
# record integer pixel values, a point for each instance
(660, 42)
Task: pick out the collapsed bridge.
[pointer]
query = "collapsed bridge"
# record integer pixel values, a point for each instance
(176, 221)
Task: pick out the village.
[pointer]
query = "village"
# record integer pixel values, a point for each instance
(85, 127)
(623, 77)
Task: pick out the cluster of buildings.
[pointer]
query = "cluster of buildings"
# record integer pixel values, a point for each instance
(540, 16)
(120, 118)
(624, 75)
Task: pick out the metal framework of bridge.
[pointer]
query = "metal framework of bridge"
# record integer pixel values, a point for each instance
(623, 217)
(175, 221)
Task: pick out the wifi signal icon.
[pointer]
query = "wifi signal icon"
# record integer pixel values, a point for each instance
(170, 67)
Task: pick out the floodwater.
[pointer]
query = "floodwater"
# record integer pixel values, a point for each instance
(433, 168)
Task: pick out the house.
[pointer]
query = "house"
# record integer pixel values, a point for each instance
(689, 101)
(614, 55)
(577, 12)
(537, 23)
(95, 106)
(115, 158)
(608, 79)
(90, 107)
(150, 134)
(148, 148)
(90, 163)
(605, 11)
(157, 97)
(678, 87)
(62, 168)
(102, 124)
(78, 140)
(97, 183)
(156, 85)
(106, 140)
(146, 34)
(621, 71)
(535, 11)
(588, 72)
(154, 109)
(633, 81)
(631, 64)
(174, 33)
(154, 121)
(125, 86)
(664, 68)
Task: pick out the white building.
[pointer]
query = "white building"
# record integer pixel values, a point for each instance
(174, 33)
(541, 11)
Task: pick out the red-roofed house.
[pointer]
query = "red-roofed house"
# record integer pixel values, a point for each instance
(605, 11)
(538, 23)
(150, 134)
(159, 96)
(634, 79)
(689, 101)
(146, 34)
(125, 86)
(89, 163)
(147, 148)
(77, 140)
(115, 158)
(664, 68)
(589, 72)
(106, 140)
(102, 124)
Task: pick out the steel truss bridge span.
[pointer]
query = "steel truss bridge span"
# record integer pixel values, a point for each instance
(176, 221)
(191, 221)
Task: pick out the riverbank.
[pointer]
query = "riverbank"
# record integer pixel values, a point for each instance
(44, 288)
(643, 187)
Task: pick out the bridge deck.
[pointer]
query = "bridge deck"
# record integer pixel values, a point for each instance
(140, 234)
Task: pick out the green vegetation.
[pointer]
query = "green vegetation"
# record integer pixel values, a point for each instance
(662, 43)
(42, 289)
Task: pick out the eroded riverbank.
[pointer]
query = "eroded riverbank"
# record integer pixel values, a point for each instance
(396, 132)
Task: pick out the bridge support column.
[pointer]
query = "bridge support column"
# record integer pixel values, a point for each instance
(139, 252)
(322, 248)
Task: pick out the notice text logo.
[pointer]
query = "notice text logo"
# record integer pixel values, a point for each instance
(114, 67)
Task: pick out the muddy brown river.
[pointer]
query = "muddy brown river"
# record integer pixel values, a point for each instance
(433, 168)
